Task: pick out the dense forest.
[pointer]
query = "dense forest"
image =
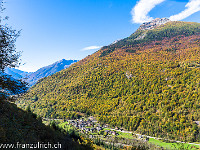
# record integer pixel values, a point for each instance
(148, 83)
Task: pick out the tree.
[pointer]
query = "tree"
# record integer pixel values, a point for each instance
(9, 57)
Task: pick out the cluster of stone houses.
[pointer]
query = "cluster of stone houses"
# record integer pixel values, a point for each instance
(91, 125)
(81, 123)
(85, 125)
(110, 132)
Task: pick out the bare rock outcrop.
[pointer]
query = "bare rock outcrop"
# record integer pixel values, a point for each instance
(153, 24)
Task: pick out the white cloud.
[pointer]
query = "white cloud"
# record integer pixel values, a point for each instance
(91, 48)
(141, 10)
(191, 7)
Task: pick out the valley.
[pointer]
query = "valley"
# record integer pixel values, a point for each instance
(149, 86)
(104, 136)
(140, 92)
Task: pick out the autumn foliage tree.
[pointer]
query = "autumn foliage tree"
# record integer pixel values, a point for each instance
(9, 57)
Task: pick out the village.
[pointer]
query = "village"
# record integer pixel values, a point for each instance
(90, 126)
(93, 128)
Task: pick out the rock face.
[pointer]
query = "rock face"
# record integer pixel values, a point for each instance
(153, 24)
(115, 41)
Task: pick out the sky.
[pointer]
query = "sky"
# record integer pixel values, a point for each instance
(73, 29)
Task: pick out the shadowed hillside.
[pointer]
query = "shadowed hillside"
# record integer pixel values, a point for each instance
(24, 127)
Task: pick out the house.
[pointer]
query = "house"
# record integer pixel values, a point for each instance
(91, 117)
(113, 132)
(140, 137)
(92, 130)
(91, 136)
(87, 129)
(89, 124)
(99, 129)
(105, 126)
(98, 124)
(197, 122)
(116, 128)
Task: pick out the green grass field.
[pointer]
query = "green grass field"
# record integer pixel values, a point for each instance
(63, 124)
(173, 145)
(125, 135)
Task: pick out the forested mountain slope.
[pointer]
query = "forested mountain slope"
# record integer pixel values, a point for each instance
(148, 83)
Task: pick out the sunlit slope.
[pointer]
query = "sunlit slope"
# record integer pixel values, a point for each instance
(149, 85)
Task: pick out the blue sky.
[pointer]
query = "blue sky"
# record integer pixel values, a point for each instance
(72, 29)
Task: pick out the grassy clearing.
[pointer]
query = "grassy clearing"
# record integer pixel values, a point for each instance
(106, 129)
(125, 135)
(122, 134)
(63, 124)
(66, 126)
(173, 145)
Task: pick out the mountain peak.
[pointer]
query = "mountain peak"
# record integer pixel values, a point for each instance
(153, 24)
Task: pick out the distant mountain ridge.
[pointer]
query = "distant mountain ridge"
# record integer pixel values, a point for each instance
(16, 73)
(49, 70)
(33, 77)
